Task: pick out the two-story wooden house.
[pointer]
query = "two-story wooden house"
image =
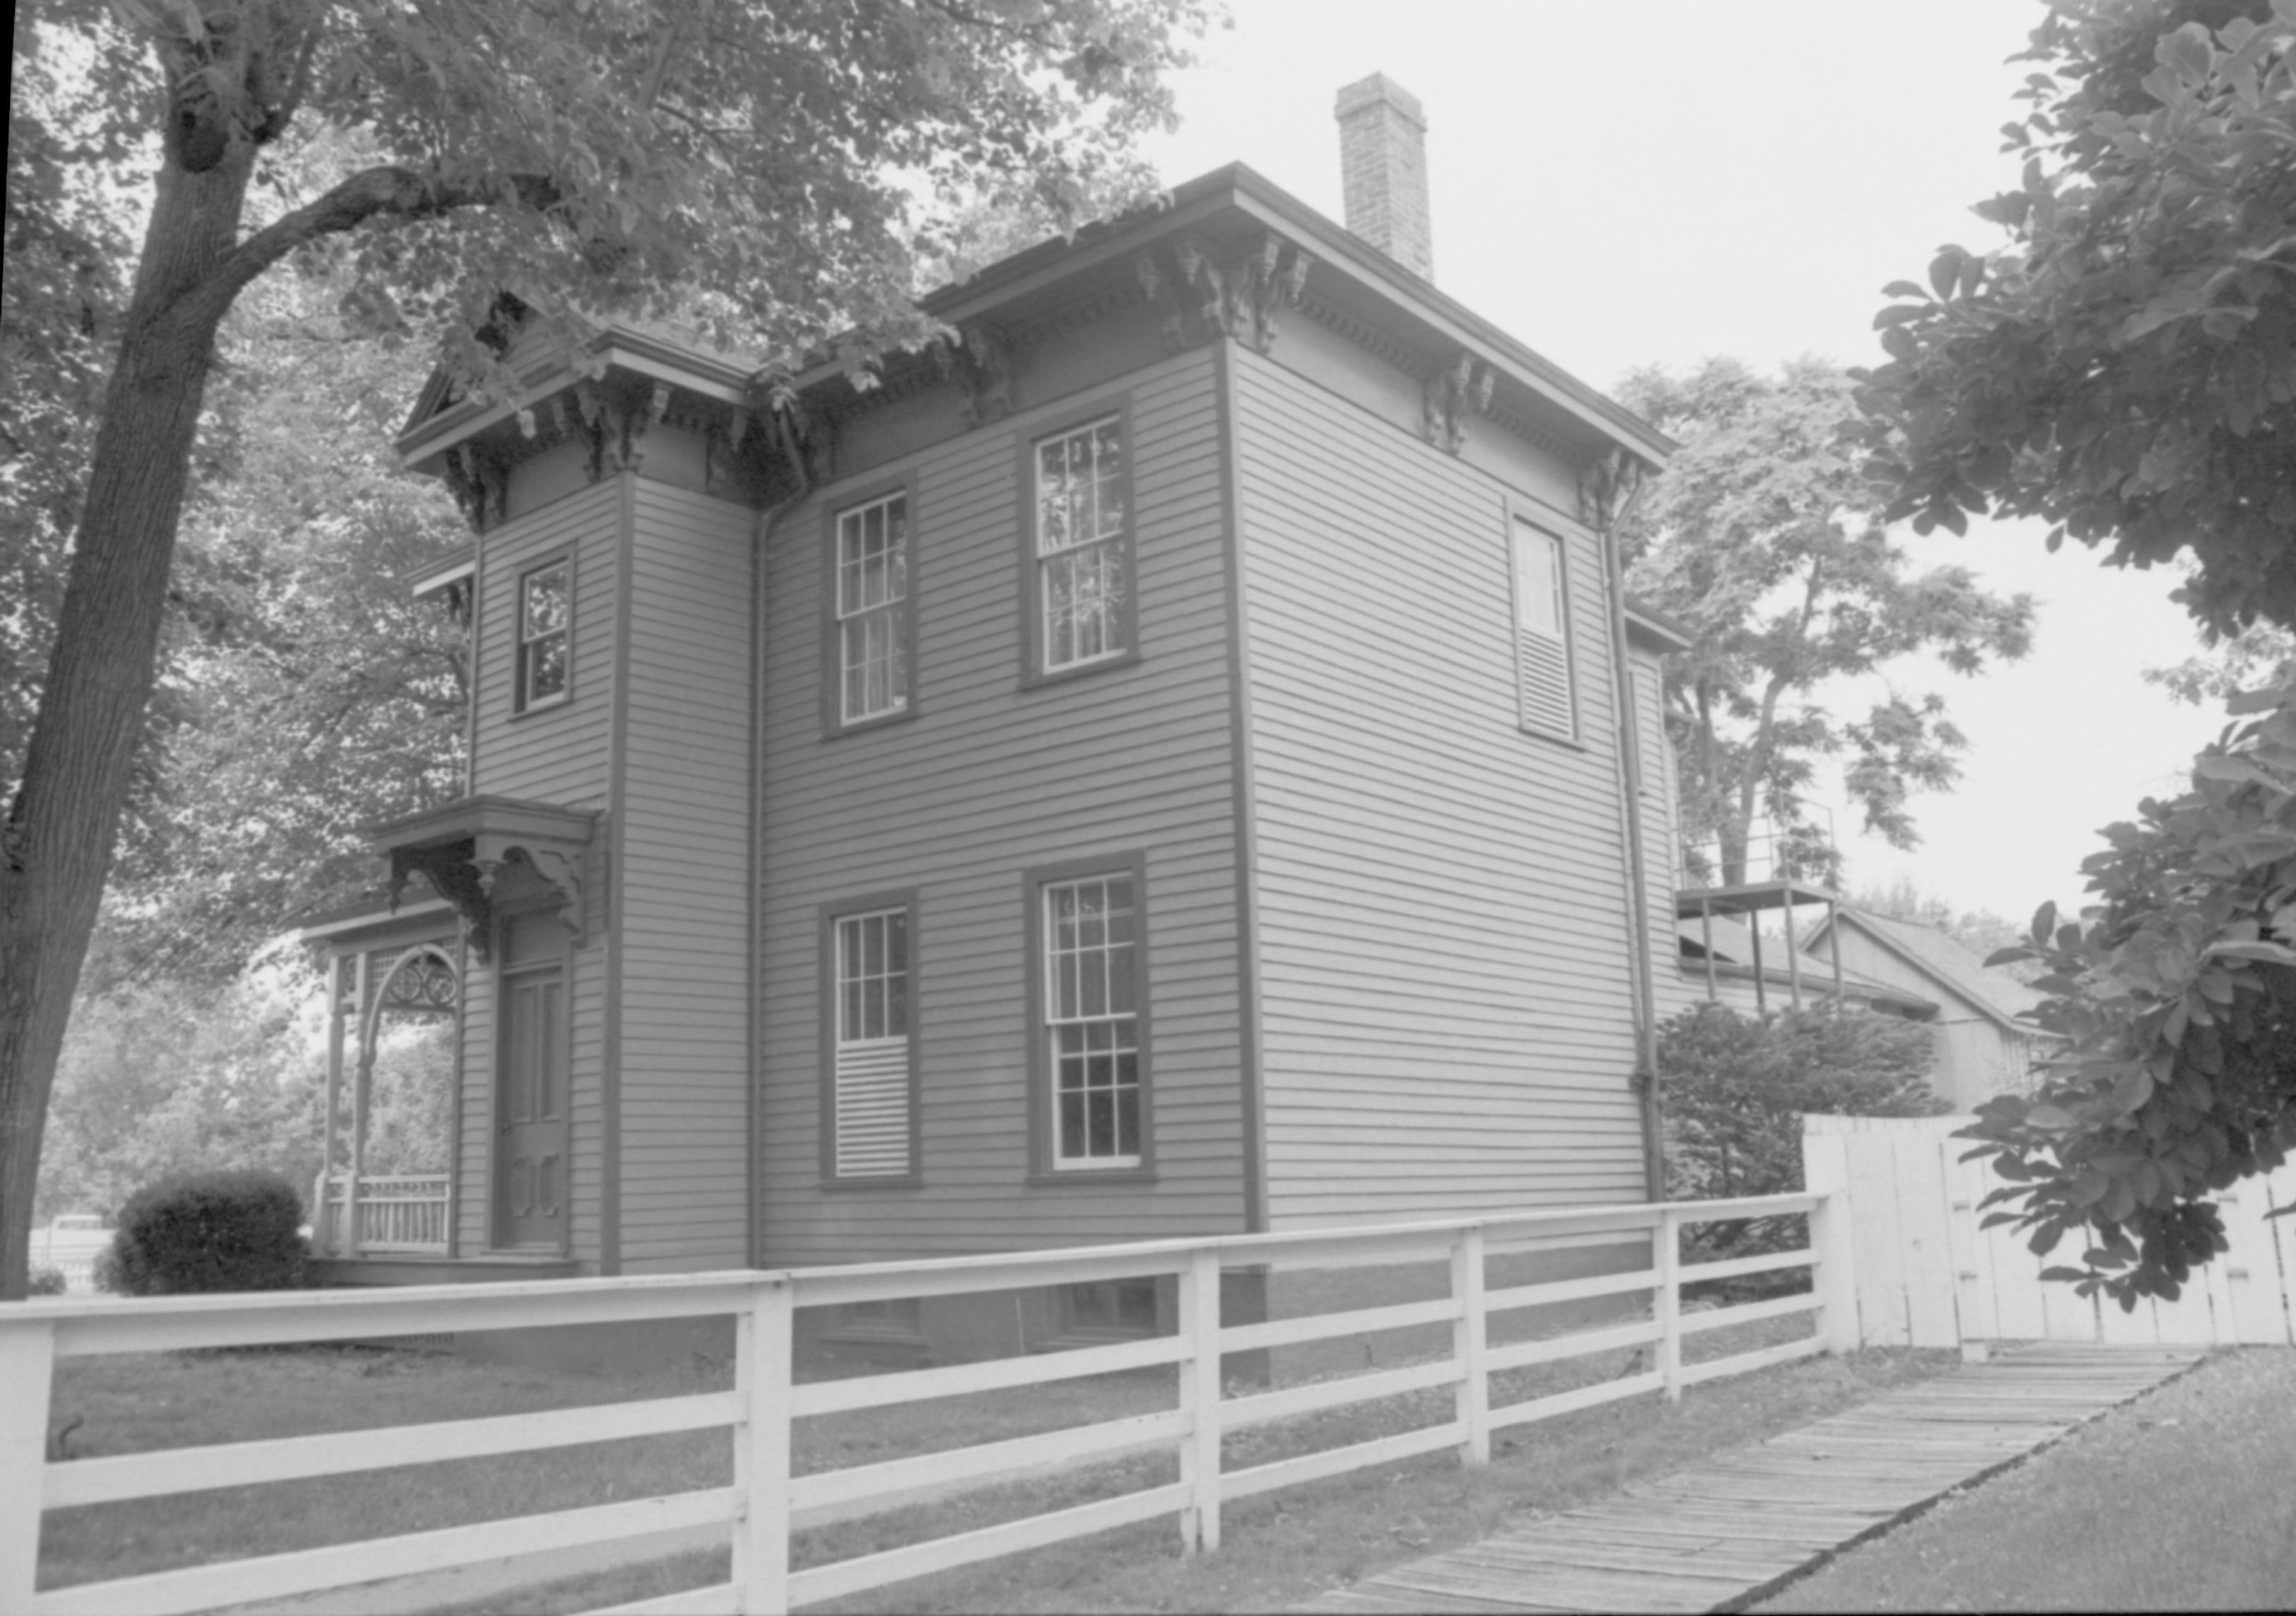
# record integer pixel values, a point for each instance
(1162, 764)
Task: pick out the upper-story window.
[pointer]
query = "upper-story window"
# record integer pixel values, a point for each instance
(872, 610)
(546, 627)
(1082, 518)
(1544, 670)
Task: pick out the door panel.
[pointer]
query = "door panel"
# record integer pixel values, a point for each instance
(530, 1134)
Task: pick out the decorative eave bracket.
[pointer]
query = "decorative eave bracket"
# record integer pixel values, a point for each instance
(1608, 487)
(462, 848)
(1463, 387)
(1200, 298)
(981, 361)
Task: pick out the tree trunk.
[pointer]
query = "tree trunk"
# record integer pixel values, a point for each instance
(56, 846)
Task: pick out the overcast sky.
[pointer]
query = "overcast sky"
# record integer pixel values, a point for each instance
(1653, 183)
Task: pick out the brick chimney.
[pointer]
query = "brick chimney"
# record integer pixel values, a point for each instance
(1383, 164)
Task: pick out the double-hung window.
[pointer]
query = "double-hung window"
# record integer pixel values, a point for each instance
(1081, 583)
(1093, 1050)
(873, 610)
(1544, 675)
(871, 1110)
(546, 619)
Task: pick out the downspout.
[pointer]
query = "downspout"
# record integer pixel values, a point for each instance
(768, 519)
(1608, 490)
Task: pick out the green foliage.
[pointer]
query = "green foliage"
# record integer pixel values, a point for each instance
(230, 1230)
(47, 1282)
(2263, 653)
(1737, 1086)
(1765, 538)
(2178, 990)
(309, 693)
(2127, 369)
(167, 1077)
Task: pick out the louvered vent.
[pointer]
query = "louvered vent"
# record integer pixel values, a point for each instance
(872, 1108)
(1543, 665)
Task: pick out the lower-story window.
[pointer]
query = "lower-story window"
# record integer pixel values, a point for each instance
(1093, 1030)
(870, 1099)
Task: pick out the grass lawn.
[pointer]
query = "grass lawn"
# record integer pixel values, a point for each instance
(1281, 1548)
(2181, 1501)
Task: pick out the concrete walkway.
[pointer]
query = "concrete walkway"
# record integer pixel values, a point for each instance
(1729, 1533)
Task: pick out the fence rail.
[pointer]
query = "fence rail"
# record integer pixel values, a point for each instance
(767, 1501)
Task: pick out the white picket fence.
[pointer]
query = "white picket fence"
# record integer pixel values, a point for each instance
(1927, 1276)
(767, 1501)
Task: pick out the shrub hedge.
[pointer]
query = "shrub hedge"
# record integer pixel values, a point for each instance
(233, 1230)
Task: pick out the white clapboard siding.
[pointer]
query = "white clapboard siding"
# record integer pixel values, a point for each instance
(685, 794)
(872, 1107)
(1445, 907)
(985, 780)
(1543, 665)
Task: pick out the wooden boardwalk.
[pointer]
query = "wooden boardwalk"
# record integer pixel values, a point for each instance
(1726, 1533)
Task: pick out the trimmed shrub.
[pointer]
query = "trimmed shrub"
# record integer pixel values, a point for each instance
(233, 1230)
(1735, 1089)
(45, 1281)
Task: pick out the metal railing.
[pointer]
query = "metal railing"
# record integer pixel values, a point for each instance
(769, 1500)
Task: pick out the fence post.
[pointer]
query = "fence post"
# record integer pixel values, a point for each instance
(1826, 1171)
(1200, 1394)
(28, 1357)
(1665, 1241)
(764, 1353)
(1469, 1337)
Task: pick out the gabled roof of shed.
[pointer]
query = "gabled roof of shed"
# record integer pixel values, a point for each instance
(2001, 998)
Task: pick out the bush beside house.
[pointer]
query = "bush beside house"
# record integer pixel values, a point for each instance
(233, 1230)
(1737, 1088)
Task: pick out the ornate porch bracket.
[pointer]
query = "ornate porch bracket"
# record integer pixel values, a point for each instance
(465, 849)
(1463, 387)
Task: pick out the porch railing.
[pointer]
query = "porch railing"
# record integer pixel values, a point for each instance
(769, 1500)
(353, 1213)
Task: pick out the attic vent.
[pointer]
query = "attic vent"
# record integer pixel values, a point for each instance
(1383, 169)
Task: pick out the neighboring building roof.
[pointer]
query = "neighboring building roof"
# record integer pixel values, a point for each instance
(1733, 954)
(2002, 999)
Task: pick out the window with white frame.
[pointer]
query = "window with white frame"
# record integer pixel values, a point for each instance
(873, 1064)
(1544, 673)
(1083, 541)
(545, 616)
(1092, 1022)
(873, 595)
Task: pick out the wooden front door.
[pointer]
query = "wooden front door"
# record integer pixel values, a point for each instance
(530, 1133)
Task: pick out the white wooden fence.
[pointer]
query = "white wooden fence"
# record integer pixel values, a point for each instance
(71, 1252)
(1927, 1276)
(767, 1501)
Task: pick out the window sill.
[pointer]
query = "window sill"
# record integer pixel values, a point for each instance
(1034, 680)
(1553, 737)
(847, 1186)
(862, 726)
(1090, 1177)
(537, 710)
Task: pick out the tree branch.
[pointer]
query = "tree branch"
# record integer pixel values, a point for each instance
(387, 190)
